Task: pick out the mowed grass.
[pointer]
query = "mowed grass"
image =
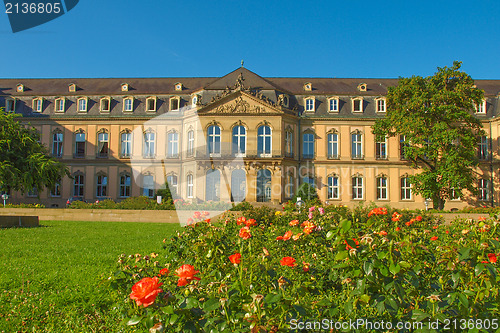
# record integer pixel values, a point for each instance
(52, 278)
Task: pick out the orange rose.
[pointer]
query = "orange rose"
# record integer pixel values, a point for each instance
(164, 271)
(434, 238)
(250, 222)
(288, 261)
(378, 211)
(240, 220)
(235, 258)
(145, 291)
(297, 236)
(245, 233)
(492, 257)
(293, 223)
(382, 233)
(286, 236)
(186, 273)
(418, 218)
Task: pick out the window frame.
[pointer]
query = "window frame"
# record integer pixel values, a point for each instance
(381, 108)
(355, 144)
(264, 152)
(101, 104)
(484, 190)
(101, 189)
(79, 184)
(56, 192)
(333, 99)
(59, 105)
(102, 144)
(123, 188)
(382, 188)
(154, 100)
(481, 107)
(483, 148)
(173, 144)
(405, 188)
(239, 137)
(83, 143)
(37, 105)
(151, 190)
(172, 100)
(128, 104)
(149, 141)
(333, 190)
(214, 132)
(190, 143)
(10, 105)
(332, 144)
(361, 106)
(126, 143)
(190, 186)
(308, 141)
(356, 187)
(310, 104)
(82, 99)
(57, 145)
(378, 148)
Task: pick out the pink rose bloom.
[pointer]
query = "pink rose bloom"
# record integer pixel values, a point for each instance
(310, 215)
(311, 209)
(321, 210)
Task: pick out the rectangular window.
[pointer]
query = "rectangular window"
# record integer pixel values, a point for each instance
(333, 187)
(80, 145)
(481, 108)
(190, 150)
(105, 104)
(333, 105)
(149, 145)
(357, 145)
(37, 105)
(308, 151)
(357, 105)
(59, 107)
(333, 146)
(174, 104)
(151, 104)
(128, 104)
(148, 188)
(405, 189)
(403, 144)
(102, 145)
(381, 147)
(484, 190)
(357, 188)
(381, 105)
(78, 186)
(310, 105)
(10, 105)
(381, 188)
(126, 145)
(173, 145)
(172, 183)
(55, 192)
(82, 105)
(190, 186)
(125, 184)
(289, 186)
(57, 144)
(483, 148)
(102, 186)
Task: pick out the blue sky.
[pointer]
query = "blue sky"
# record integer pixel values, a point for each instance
(153, 38)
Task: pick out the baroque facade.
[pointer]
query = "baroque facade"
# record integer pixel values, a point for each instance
(233, 138)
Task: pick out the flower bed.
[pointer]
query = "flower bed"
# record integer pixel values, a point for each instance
(262, 274)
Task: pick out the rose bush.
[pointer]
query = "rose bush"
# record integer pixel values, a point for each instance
(383, 264)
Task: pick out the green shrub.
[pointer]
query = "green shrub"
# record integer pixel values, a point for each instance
(242, 206)
(24, 205)
(306, 192)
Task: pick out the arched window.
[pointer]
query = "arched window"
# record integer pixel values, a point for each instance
(213, 140)
(239, 141)
(263, 185)
(264, 141)
(238, 185)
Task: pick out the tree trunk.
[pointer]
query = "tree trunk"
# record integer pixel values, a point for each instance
(438, 203)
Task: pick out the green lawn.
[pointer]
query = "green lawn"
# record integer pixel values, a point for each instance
(51, 278)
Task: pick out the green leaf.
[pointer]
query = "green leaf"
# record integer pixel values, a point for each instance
(464, 253)
(300, 310)
(272, 298)
(394, 269)
(455, 277)
(368, 267)
(348, 306)
(330, 235)
(211, 305)
(167, 309)
(173, 319)
(134, 320)
(479, 269)
(345, 225)
(384, 271)
(463, 299)
(419, 315)
(341, 255)
(191, 302)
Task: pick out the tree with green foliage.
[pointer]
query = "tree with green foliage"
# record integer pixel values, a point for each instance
(306, 192)
(25, 163)
(435, 116)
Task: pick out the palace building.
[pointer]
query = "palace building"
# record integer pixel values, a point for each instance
(234, 138)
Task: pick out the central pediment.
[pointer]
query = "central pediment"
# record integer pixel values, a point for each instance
(241, 102)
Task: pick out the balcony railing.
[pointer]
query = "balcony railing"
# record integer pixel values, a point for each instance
(333, 156)
(357, 156)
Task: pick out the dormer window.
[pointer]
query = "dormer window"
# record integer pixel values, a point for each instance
(195, 100)
(124, 86)
(308, 86)
(309, 104)
(362, 87)
(151, 104)
(283, 99)
(175, 103)
(105, 105)
(481, 107)
(333, 104)
(357, 105)
(178, 86)
(20, 88)
(380, 104)
(128, 104)
(37, 105)
(10, 105)
(59, 105)
(82, 104)
(72, 87)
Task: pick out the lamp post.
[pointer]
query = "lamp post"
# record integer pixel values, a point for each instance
(5, 197)
(426, 203)
(299, 203)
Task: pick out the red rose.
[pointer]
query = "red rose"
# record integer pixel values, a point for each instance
(240, 220)
(286, 236)
(145, 291)
(235, 258)
(433, 238)
(418, 218)
(186, 273)
(245, 233)
(164, 271)
(250, 222)
(492, 257)
(383, 233)
(287, 261)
